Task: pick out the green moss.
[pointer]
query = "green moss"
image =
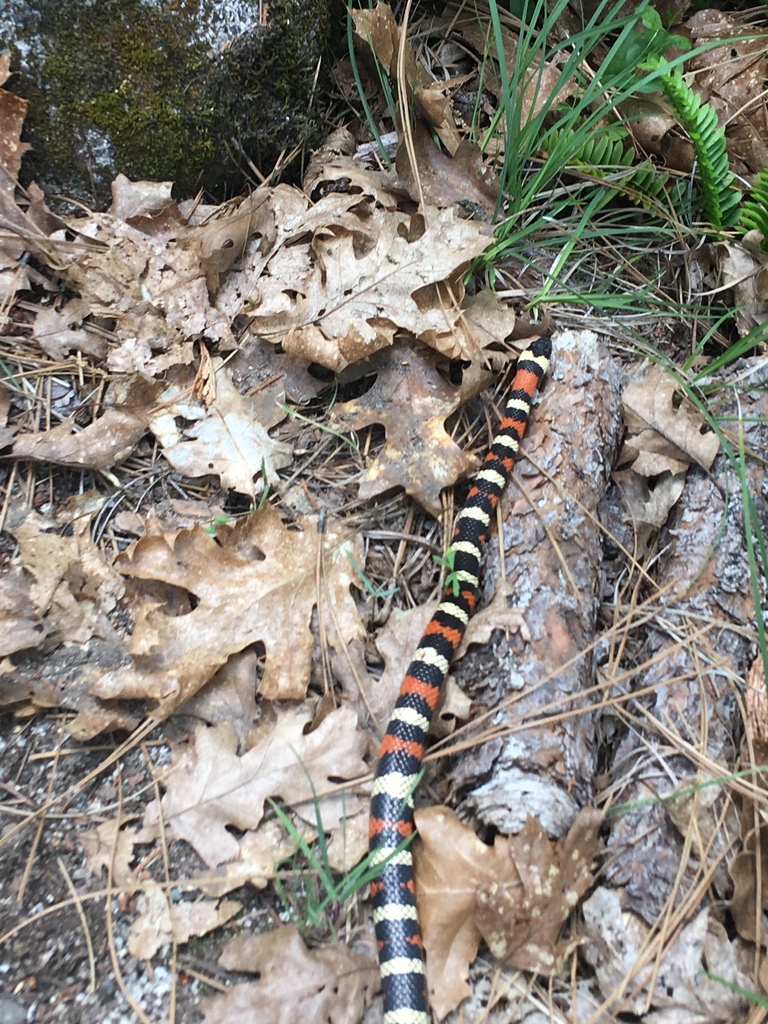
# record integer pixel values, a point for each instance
(125, 85)
(263, 84)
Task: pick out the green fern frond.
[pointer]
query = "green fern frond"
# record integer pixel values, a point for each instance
(754, 210)
(603, 155)
(699, 121)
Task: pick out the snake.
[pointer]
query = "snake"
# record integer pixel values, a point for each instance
(393, 891)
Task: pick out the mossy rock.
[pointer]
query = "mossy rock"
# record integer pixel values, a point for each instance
(164, 90)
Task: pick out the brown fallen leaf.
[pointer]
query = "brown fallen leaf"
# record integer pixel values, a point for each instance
(21, 617)
(23, 697)
(379, 30)
(516, 894)
(256, 363)
(134, 200)
(259, 856)
(230, 695)
(108, 849)
(145, 266)
(748, 867)
(212, 787)
(66, 589)
(665, 434)
(160, 921)
(368, 274)
(412, 401)
(254, 582)
(435, 102)
(226, 435)
(669, 432)
(543, 83)
(728, 77)
(106, 441)
(648, 508)
(331, 984)
(743, 268)
(59, 331)
(446, 180)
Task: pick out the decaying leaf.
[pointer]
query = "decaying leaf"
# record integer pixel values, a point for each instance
(212, 787)
(665, 435)
(368, 274)
(648, 507)
(728, 77)
(667, 432)
(59, 331)
(21, 617)
(65, 589)
(543, 84)
(23, 696)
(252, 583)
(109, 851)
(137, 201)
(412, 400)
(226, 436)
(443, 180)
(678, 988)
(108, 440)
(516, 895)
(230, 696)
(331, 984)
(161, 921)
(379, 29)
(749, 867)
(259, 857)
(744, 269)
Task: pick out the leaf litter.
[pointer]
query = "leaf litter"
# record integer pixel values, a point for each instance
(243, 624)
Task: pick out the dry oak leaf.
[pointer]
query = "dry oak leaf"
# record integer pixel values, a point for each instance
(259, 857)
(412, 400)
(376, 272)
(670, 433)
(516, 894)
(21, 624)
(748, 866)
(23, 695)
(254, 582)
(160, 921)
(441, 180)
(742, 269)
(648, 508)
(379, 29)
(228, 438)
(109, 848)
(151, 275)
(67, 587)
(106, 441)
(728, 77)
(332, 984)
(212, 787)
(59, 331)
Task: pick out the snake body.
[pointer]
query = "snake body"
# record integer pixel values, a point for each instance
(400, 947)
